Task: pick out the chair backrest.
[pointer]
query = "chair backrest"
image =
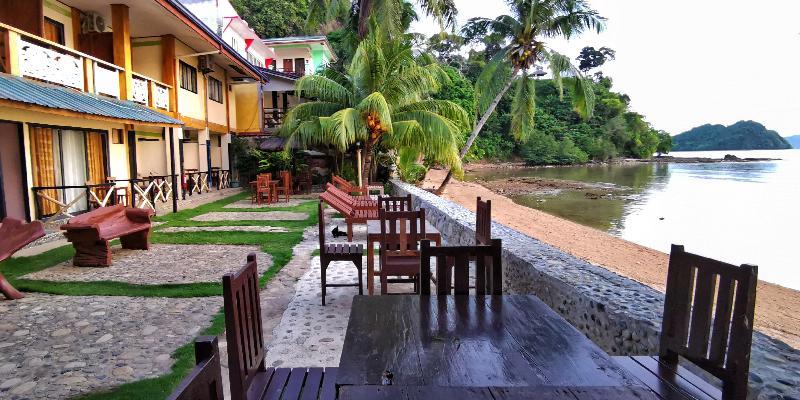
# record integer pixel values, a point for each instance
(401, 232)
(262, 181)
(321, 228)
(708, 317)
(483, 222)
(286, 179)
(240, 292)
(488, 268)
(341, 183)
(204, 381)
(17, 234)
(395, 203)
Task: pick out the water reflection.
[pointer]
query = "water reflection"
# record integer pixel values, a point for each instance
(737, 212)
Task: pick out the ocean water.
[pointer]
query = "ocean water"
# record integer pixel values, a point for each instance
(735, 212)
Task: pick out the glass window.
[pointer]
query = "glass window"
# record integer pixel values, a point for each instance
(53, 31)
(214, 89)
(188, 77)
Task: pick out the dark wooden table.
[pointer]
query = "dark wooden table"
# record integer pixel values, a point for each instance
(374, 236)
(487, 344)
(492, 393)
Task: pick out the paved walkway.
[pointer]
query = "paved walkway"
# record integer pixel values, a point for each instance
(163, 263)
(56, 347)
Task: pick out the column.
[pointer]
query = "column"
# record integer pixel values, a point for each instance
(120, 23)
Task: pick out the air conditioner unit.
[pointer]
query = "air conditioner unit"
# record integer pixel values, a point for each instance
(205, 64)
(92, 22)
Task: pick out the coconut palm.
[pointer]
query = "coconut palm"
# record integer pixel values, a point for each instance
(524, 33)
(393, 14)
(382, 100)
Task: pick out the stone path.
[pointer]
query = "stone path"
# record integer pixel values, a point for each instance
(252, 216)
(264, 229)
(248, 204)
(56, 347)
(163, 263)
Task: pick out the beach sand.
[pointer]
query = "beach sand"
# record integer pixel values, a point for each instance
(776, 306)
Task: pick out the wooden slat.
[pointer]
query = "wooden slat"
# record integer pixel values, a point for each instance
(701, 314)
(294, 386)
(312, 384)
(328, 389)
(277, 384)
(663, 389)
(722, 321)
(685, 380)
(461, 271)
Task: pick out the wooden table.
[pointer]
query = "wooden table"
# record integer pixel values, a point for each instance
(273, 190)
(492, 393)
(496, 343)
(374, 236)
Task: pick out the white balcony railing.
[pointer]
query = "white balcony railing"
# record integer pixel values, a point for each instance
(47, 64)
(106, 80)
(140, 90)
(150, 92)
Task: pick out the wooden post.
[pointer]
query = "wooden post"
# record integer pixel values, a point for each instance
(168, 70)
(120, 22)
(358, 162)
(76, 29)
(172, 170)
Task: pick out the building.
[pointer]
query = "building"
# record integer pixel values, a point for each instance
(295, 57)
(92, 91)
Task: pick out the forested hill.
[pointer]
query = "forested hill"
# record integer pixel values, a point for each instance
(794, 141)
(743, 135)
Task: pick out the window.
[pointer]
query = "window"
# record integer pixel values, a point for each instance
(214, 89)
(188, 77)
(53, 31)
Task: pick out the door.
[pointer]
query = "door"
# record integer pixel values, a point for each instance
(12, 180)
(287, 65)
(300, 66)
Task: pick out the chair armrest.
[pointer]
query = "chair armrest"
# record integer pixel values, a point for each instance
(139, 215)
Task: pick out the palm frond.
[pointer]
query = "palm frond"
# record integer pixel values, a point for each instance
(324, 89)
(376, 104)
(492, 80)
(523, 108)
(445, 108)
(343, 128)
(581, 87)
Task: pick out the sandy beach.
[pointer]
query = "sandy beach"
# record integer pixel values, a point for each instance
(774, 316)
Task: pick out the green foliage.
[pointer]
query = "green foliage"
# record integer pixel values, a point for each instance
(409, 169)
(274, 161)
(274, 18)
(543, 149)
(591, 58)
(743, 135)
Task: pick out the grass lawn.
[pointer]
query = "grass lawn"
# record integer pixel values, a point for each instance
(278, 245)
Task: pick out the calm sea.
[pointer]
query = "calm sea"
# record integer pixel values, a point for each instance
(734, 212)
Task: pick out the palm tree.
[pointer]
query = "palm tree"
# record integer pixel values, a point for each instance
(393, 14)
(382, 100)
(524, 32)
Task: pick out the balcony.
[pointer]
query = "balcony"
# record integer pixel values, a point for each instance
(29, 56)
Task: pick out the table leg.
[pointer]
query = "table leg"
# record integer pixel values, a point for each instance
(370, 266)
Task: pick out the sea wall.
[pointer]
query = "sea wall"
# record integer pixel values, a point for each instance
(620, 315)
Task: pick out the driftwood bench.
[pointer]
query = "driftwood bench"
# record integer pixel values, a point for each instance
(353, 213)
(15, 235)
(91, 232)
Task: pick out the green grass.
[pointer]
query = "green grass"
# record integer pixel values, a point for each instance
(278, 245)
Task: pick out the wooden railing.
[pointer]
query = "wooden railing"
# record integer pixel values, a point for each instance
(51, 201)
(273, 118)
(30, 56)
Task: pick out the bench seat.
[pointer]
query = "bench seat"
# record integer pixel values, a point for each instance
(91, 232)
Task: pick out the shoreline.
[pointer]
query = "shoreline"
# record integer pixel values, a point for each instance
(647, 266)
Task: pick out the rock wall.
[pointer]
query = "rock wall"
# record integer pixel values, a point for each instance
(621, 315)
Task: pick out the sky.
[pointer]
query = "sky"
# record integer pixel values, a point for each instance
(685, 63)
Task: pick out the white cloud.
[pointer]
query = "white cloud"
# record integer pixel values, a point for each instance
(688, 62)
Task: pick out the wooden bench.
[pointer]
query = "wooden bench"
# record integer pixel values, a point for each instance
(91, 232)
(204, 382)
(708, 320)
(352, 215)
(356, 201)
(15, 235)
(250, 378)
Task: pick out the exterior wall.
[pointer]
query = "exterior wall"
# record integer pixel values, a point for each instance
(226, 140)
(189, 104)
(620, 315)
(231, 106)
(151, 154)
(247, 109)
(59, 12)
(318, 59)
(147, 58)
(11, 165)
(216, 111)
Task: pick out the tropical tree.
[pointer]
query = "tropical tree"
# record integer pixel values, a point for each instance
(393, 14)
(524, 33)
(383, 100)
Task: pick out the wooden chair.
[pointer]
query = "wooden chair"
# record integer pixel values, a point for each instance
(285, 186)
(483, 222)
(249, 377)
(395, 203)
(708, 320)
(15, 235)
(204, 381)
(304, 182)
(488, 268)
(401, 232)
(262, 189)
(337, 252)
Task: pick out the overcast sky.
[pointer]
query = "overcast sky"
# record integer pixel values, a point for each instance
(685, 63)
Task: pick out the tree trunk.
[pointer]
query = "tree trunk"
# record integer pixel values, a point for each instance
(478, 127)
(364, 7)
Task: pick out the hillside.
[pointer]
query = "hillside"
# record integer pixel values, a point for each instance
(794, 141)
(743, 135)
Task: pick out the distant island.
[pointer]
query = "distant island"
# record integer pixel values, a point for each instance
(794, 141)
(743, 135)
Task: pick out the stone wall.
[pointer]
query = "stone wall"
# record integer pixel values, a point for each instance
(621, 315)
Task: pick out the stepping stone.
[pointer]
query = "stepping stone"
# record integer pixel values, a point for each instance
(248, 204)
(252, 216)
(264, 229)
